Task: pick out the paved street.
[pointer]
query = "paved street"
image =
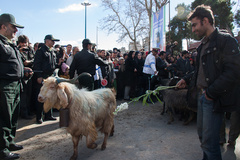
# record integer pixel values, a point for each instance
(141, 133)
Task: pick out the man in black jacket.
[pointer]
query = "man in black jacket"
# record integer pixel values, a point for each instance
(44, 63)
(11, 74)
(27, 54)
(162, 66)
(85, 62)
(216, 77)
(183, 65)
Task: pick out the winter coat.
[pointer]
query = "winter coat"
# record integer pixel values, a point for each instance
(10, 61)
(222, 71)
(85, 61)
(44, 61)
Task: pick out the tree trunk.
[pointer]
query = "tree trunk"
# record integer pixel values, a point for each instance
(135, 45)
(150, 29)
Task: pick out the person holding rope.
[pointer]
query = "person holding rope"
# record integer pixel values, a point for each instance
(216, 78)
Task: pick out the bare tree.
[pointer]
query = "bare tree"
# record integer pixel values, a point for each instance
(160, 3)
(149, 6)
(128, 19)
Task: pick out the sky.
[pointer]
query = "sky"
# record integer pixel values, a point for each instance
(65, 20)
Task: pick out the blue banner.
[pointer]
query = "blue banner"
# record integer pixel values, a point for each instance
(158, 30)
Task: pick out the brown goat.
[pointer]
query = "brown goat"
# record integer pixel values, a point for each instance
(88, 110)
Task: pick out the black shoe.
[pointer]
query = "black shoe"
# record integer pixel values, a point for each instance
(14, 147)
(50, 118)
(39, 121)
(231, 143)
(222, 142)
(11, 156)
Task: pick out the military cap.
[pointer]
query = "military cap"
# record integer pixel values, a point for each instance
(50, 37)
(9, 18)
(86, 41)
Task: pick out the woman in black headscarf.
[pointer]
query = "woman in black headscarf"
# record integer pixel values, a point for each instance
(130, 70)
(139, 76)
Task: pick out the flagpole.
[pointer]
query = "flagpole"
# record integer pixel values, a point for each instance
(169, 22)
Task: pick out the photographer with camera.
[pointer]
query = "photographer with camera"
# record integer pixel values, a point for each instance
(27, 58)
(170, 47)
(26, 51)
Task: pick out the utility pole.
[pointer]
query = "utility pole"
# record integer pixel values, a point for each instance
(85, 4)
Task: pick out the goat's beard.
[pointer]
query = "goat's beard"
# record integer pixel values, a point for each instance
(48, 104)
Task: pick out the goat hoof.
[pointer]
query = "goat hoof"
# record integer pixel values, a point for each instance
(111, 134)
(170, 122)
(94, 145)
(103, 147)
(73, 157)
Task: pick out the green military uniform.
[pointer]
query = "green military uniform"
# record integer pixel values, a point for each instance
(10, 75)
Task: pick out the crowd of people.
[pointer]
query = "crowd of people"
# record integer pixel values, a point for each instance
(131, 74)
(123, 71)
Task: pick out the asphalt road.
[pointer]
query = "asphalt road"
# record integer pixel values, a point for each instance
(141, 133)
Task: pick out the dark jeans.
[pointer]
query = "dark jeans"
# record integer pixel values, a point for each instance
(9, 111)
(235, 127)
(209, 124)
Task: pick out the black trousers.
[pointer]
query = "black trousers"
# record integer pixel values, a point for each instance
(9, 112)
(147, 81)
(26, 95)
(39, 106)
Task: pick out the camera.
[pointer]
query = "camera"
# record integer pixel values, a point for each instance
(24, 49)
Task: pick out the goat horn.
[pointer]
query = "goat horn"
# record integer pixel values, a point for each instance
(59, 80)
(55, 72)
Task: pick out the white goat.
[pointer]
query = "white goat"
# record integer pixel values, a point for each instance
(88, 110)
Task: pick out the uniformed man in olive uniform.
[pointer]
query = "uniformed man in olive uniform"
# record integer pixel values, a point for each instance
(11, 73)
(85, 64)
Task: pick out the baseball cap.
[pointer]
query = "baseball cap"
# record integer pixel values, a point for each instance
(9, 18)
(50, 37)
(86, 41)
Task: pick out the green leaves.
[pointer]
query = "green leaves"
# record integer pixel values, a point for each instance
(149, 93)
(145, 97)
